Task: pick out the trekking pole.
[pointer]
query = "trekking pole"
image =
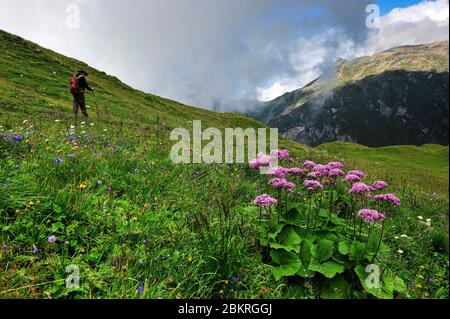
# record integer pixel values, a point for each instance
(96, 104)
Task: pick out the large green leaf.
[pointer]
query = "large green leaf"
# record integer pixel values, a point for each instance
(323, 250)
(305, 257)
(382, 288)
(278, 228)
(289, 263)
(293, 217)
(357, 251)
(336, 288)
(344, 247)
(329, 268)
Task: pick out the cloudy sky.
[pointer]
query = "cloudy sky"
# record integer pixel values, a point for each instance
(211, 53)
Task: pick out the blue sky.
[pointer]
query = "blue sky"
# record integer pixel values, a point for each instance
(387, 5)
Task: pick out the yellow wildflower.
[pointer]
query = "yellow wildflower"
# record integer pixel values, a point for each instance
(83, 186)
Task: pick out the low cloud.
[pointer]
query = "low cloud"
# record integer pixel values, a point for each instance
(218, 54)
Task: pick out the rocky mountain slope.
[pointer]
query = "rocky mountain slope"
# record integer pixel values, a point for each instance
(399, 96)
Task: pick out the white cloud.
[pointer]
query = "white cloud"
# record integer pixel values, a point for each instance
(425, 22)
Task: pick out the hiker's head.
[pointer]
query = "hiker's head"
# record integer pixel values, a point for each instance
(82, 72)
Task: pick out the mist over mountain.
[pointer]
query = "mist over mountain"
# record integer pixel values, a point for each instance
(398, 96)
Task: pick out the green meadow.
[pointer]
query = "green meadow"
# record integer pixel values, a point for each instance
(135, 225)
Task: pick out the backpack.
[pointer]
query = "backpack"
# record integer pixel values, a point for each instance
(74, 89)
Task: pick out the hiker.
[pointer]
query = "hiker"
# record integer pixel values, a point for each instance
(78, 85)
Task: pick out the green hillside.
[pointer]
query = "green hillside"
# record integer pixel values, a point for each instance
(104, 196)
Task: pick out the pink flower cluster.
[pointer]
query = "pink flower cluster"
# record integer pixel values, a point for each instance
(279, 172)
(388, 198)
(297, 171)
(370, 215)
(265, 201)
(359, 188)
(357, 173)
(379, 185)
(281, 183)
(351, 178)
(333, 165)
(331, 170)
(312, 185)
(262, 160)
(281, 154)
(335, 172)
(309, 164)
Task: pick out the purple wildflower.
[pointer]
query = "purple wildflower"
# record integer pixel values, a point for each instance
(388, 198)
(312, 185)
(356, 172)
(334, 172)
(57, 160)
(297, 171)
(5, 248)
(359, 188)
(265, 201)
(333, 165)
(351, 178)
(309, 164)
(280, 154)
(378, 185)
(35, 250)
(279, 172)
(52, 239)
(370, 215)
(140, 289)
(281, 183)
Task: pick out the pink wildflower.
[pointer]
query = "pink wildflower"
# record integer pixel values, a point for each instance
(281, 154)
(333, 165)
(309, 164)
(357, 173)
(262, 160)
(378, 185)
(334, 172)
(52, 239)
(350, 178)
(359, 188)
(297, 171)
(281, 183)
(388, 198)
(370, 215)
(279, 172)
(265, 201)
(312, 185)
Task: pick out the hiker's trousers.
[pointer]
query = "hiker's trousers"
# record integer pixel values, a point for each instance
(79, 103)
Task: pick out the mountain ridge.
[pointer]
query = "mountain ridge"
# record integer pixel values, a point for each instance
(294, 113)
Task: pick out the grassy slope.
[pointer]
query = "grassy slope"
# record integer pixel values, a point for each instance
(34, 85)
(419, 166)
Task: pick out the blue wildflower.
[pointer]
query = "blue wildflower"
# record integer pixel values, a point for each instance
(140, 289)
(57, 160)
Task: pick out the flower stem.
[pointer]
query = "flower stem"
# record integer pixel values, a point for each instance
(379, 242)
